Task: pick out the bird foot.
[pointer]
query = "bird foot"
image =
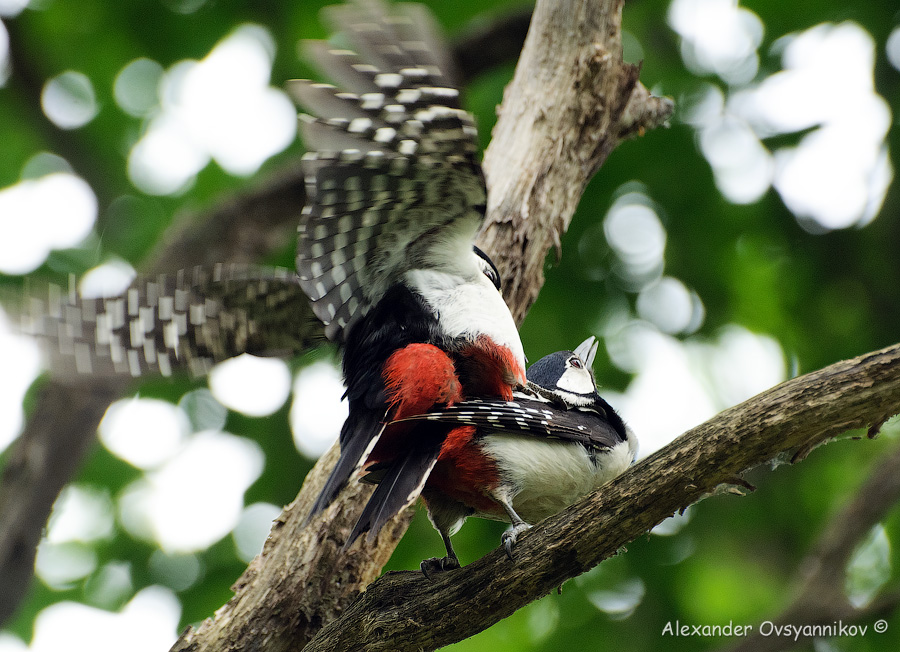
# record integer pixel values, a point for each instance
(437, 565)
(509, 537)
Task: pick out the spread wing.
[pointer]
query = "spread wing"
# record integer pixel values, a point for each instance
(160, 325)
(531, 417)
(393, 179)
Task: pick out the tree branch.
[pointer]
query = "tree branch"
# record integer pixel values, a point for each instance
(553, 151)
(300, 580)
(571, 102)
(404, 611)
(819, 585)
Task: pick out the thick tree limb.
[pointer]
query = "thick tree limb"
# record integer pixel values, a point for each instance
(554, 151)
(819, 588)
(297, 583)
(404, 611)
(571, 102)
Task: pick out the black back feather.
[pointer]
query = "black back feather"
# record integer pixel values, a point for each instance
(399, 319)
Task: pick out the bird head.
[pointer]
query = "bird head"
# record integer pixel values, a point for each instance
(566, 377)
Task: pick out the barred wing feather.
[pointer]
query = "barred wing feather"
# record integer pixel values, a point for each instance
(392, 173)
(167, 323)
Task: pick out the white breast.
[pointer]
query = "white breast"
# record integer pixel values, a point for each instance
(468, 307)
(544, 476)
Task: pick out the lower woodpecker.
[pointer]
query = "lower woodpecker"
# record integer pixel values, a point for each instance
(523, 460)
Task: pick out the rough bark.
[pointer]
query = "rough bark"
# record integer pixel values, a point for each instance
(538, 159)
(571, 102)
(404, 611)
(297, 584)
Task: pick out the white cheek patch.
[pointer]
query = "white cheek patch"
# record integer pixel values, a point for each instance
(577, 381)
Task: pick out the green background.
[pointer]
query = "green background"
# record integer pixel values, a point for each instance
(822, 297)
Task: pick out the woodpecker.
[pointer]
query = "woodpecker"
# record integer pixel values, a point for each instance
(385, 256)
(522, 460)
(386, 252)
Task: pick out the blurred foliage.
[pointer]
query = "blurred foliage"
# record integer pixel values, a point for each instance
(823, 297)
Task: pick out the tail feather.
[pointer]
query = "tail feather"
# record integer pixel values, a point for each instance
(399, 488)
(354, 450)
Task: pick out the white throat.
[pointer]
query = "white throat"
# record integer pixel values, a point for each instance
(576, 381)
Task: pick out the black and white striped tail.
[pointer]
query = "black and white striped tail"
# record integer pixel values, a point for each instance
(530, 418)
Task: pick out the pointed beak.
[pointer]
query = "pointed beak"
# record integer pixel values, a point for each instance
(587, 351)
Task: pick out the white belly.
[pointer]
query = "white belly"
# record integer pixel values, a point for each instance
(546, 476)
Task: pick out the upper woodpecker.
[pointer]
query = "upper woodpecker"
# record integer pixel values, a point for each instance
(385, 254)
(386, 249)
(523, 460)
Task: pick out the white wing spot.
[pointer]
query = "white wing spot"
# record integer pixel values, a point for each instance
(409, 96)
(337, 258)
(359, 125)
(338, 275)
(385, 135)
(388, 80)
(133, 302)
(371, 101)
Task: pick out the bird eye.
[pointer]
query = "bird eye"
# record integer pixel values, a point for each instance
(488, 267)
(493, 278)
(575, 362)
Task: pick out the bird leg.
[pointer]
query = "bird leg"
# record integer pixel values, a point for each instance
(518, 526)
(437, 564)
